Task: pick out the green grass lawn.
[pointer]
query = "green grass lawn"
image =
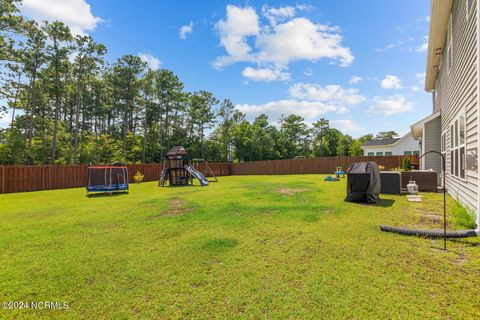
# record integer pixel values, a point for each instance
(247, 247)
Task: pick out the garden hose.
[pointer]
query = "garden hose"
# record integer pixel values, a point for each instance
(430, 233)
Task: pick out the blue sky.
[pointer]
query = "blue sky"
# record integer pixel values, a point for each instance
(359, 64)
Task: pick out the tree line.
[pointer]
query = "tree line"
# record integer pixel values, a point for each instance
(67, 105)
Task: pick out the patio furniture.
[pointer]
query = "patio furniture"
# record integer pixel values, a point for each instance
(391, 182)
(425, 179)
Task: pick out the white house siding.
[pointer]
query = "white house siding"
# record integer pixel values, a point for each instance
(431, 142)
(457, 93)
(406, 144)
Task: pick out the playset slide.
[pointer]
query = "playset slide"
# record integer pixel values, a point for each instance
(197, 175)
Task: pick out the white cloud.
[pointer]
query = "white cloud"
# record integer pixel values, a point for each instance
(415, 88)
(420, 76)
(424, 46)
(265, 74)
(186, 29)
(332, 94)
(277, 44)
(275, 15)
(308, 101)
(301, 39)
(390, 105)
(309, 110)
(395, 44)
(391, 82)
(240, 23)
(346, 125)
(308, 72)
(152, 62)
(392, 45)
(355, 80)
(303, 6)
(76, 14)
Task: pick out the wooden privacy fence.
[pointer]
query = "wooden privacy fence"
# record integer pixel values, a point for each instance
(47, 177)
(33, 178)
(325, 165)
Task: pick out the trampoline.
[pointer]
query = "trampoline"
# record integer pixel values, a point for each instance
(107, 179)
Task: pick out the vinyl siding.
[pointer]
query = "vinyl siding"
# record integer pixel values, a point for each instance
(457, 94)
(432, 140)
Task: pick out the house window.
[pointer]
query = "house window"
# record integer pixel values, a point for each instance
(443, 149)
(457, 153)
(456, 133)
(449, 44)
(451, 136)
(379, 154)
(388, 153)
(461, 130)
(451, 162)
(407, 153)
(371, 154)
(444, 143)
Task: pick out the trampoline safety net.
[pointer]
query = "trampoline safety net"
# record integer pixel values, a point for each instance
(107, 179)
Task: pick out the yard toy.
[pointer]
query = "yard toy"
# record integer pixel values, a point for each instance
(363, 183)
(330, 178)
(107, 179)
(178, 170)
(339, 172)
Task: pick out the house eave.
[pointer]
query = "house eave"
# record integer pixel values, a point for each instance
(439, 15)
(416, 129)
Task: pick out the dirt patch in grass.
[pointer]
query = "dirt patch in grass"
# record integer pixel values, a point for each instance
(430, 218)
(461, 259)
(289, 191)
(176, 207)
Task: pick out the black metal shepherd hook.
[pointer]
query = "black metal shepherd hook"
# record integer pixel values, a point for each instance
(444, 196)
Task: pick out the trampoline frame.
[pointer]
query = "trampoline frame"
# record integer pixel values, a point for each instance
(108, 187)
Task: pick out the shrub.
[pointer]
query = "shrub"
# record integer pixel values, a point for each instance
(407, 164)
(463, 216)
(138, 177)
(381, 168)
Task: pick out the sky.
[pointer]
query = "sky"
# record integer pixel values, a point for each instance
(359, 64)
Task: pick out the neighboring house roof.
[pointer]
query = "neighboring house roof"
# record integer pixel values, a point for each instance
(385, 142)
(380, 142)
(439, 16)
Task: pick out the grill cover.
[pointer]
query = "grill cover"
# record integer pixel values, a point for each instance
(363, 183)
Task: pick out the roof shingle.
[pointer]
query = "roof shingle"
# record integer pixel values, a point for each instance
(380, 142)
